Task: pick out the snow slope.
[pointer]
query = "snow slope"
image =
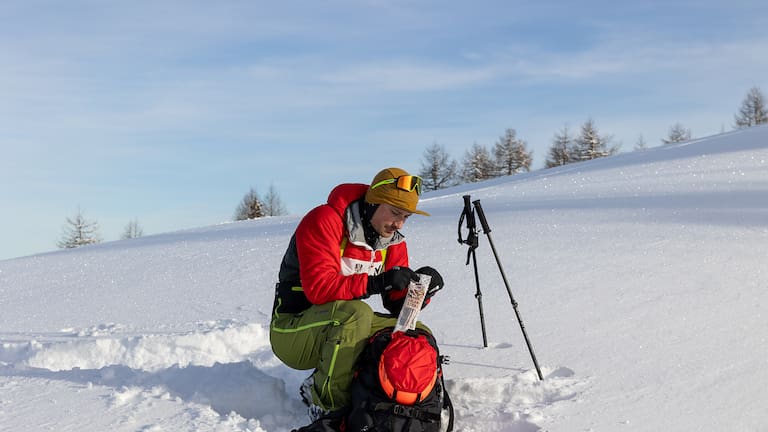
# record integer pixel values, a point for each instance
(641, 280)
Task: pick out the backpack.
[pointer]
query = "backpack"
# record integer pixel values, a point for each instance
(398, 385)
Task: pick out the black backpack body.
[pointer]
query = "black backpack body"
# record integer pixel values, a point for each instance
(375, 408)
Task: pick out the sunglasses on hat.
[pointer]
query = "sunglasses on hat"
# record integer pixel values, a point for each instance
(408, 183)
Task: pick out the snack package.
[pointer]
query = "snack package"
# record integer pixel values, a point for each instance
(409, 314)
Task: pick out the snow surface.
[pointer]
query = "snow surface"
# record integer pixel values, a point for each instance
(641, 280)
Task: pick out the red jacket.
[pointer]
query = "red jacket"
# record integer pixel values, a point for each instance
(330, 252)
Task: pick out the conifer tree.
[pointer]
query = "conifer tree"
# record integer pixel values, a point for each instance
(512, 155)
(641, 145)
(753, 111)
(79, 231)
(677, 133)
(591, 145)
(250, 207)
(132, 230)
(273, 205)
(562, 149)
(438, 170)
(477, 165)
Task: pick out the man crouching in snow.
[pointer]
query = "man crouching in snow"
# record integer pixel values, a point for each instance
(343, 251)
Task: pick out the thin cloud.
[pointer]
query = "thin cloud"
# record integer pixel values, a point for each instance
(405, 76)
(620, 59)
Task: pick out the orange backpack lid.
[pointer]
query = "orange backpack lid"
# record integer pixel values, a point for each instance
(408, 368)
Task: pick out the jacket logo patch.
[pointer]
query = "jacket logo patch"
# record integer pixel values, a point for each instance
(350, 266)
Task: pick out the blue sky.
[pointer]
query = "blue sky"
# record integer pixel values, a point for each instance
(169, 111)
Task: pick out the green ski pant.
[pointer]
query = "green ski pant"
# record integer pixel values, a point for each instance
(328, 338)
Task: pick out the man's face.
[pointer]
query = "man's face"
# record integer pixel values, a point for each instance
(387, 219)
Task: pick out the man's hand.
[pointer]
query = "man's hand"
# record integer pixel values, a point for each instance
(396, 278)
(435, 284)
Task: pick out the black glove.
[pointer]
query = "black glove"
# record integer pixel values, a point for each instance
(396, 278)
(393, 300)
(435, 284)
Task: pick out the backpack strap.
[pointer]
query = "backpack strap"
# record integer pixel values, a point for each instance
(413, 412)
(447, 404)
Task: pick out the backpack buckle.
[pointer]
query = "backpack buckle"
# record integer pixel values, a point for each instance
(406, 411)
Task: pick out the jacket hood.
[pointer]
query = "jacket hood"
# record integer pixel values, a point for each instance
(344, 194)
(341, 199)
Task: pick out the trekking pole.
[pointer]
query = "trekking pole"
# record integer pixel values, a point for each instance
(487, 232)
(469, 215)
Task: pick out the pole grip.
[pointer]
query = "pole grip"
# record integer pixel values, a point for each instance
(469, 213)
(467, 205)
(481, 215)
